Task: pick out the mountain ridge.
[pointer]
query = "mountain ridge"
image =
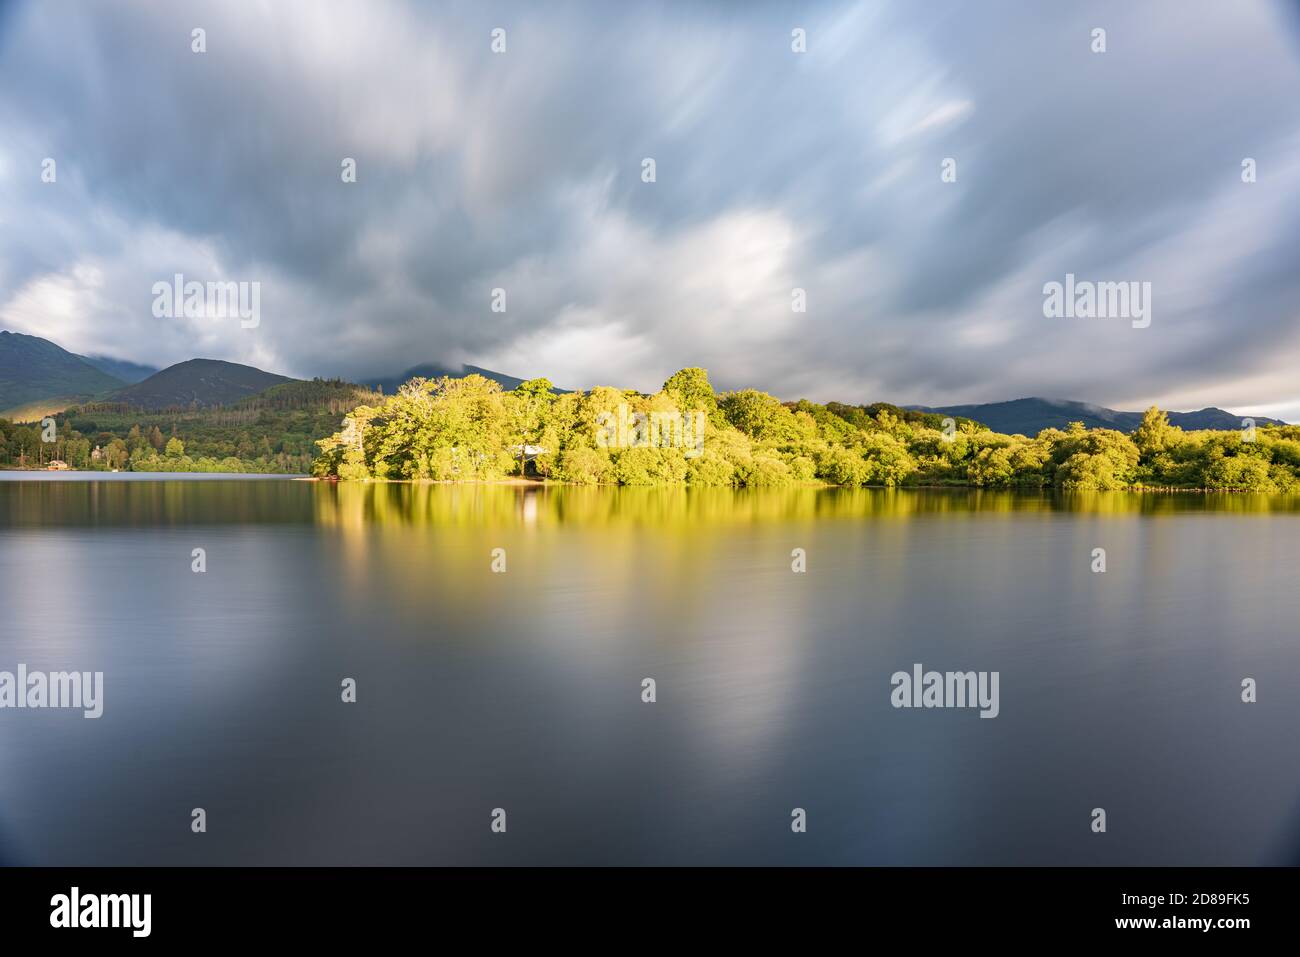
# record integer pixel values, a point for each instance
(201, 382)
(37, 376)
(33, 370)
(429, 370)
(1030, 415)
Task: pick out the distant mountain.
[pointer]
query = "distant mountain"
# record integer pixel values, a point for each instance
(201, 382)
(1212, 418)
(35, 370)
(508, 382)
(38, 378)
(390, 384)
(429, 371)
(1031, 416)
(128, 372)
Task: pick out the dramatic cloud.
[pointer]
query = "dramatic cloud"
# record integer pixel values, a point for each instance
(522, 170)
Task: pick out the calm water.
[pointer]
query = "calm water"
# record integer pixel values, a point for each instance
(521, 690)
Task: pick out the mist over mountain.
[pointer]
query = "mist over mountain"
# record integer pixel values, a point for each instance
(129, 372)
(431, 371)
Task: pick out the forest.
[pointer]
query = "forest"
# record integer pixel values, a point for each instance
(274, 431)
(468, 429)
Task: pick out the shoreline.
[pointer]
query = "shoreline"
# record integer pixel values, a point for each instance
(953, 486)
(92, 474)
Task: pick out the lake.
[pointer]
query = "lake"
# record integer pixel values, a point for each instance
(522, 689)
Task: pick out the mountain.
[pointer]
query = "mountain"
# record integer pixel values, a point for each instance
(35, 370)
(508, 382)
(1030, 416)
(128, 372)
(200, 382)
(430, 371)
(1212, 418)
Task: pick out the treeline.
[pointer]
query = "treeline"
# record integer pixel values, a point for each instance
(139, 450)
(272, 432)
(21, 446)
(452, 429)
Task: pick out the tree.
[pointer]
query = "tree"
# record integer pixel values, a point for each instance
(528, 407)
(1100, 459)
(691, 391)
(116, 454)
(888, 459)
(758, 415)
(1155, 434)
(454, 429)
(583, 465)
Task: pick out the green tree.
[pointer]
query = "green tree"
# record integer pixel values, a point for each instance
(1155, 434)
(759, 415)
(527, 415)
(691, 391)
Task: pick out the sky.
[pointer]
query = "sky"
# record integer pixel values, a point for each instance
(774, 170)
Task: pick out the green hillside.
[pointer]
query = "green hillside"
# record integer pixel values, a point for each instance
(197, 382)
(34, 369)
(273, 431)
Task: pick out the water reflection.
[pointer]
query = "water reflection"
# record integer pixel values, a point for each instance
(278, 500)
(478, 689)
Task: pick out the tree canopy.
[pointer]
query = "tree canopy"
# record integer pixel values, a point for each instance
(469, 429)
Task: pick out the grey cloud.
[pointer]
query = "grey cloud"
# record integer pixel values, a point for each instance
(818, 170)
